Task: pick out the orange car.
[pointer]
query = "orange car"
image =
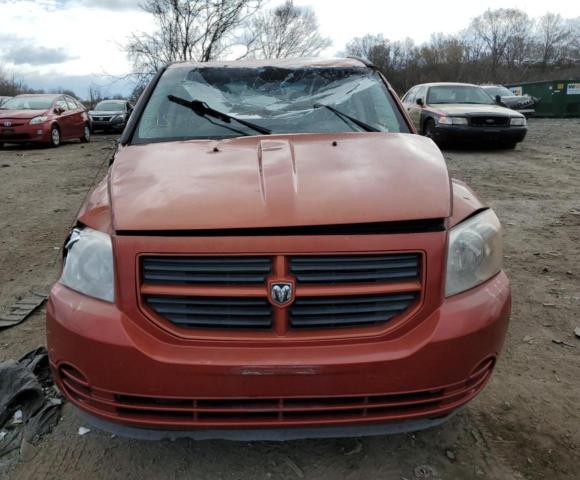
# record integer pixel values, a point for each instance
(275, 254)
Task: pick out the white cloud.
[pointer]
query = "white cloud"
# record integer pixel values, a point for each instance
(90, 36)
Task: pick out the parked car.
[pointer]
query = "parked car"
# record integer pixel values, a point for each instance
(48, 119)
(111, 115)
(4, 99)
(274, 253)
(452, 112)
(520, 103)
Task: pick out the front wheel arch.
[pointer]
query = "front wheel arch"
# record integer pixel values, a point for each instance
(424, 122)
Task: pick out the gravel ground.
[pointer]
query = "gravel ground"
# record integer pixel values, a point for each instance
(525, 425)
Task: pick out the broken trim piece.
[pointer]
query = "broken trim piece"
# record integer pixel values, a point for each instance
(21, 310)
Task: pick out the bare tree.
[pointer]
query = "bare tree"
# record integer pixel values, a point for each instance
(498, 29)
(443, 57)
(95, 96)
(363, 46)
(10, 85)
(188, 30)
(505, 40)
(285, 31)
(397, 60)
(553, 36)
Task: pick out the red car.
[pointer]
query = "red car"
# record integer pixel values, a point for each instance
(273, 254)
(46, 119)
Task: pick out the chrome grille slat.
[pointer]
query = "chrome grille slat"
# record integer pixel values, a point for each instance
(354, 268)
(213, 312)
(338, 311)
(206, 270)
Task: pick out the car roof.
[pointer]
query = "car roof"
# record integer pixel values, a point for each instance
(290, 63)
(50, 95)
(446, 84)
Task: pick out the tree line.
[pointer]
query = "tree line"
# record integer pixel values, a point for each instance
(498, 46)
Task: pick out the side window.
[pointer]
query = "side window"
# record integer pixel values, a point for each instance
(421, 93)
(410, 97)
(71, 103)
(61, 102)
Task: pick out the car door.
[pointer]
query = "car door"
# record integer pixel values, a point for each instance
(413, 109)
(77, 121)
(64, 119)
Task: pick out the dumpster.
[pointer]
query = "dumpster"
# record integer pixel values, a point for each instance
(557, 98)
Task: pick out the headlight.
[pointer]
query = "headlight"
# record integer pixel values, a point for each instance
(88, 264)
(474, 253)
(518, 121)
(37, 120)
(452, 120)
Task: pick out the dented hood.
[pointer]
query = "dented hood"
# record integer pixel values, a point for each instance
(278, 181)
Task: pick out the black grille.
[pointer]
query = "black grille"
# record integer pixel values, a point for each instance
(489, 121)
(206, 270)
(320, 312)
(14, 136)
(213, 312)
(355, 268)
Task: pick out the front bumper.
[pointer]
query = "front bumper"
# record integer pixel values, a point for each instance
(116, 372)
(116, 124)
(447, 133)
(26, 134)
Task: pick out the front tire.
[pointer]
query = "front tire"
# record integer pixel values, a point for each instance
(54, 136)
(429, 129)
(86, 137)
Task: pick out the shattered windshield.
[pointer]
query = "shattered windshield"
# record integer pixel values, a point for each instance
(277, 99)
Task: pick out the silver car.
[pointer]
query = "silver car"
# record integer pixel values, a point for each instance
(110, 115)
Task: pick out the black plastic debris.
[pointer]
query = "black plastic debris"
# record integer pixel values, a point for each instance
(21, 310)
(29, 403)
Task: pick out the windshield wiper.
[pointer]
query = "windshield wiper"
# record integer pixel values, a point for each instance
(356, 121)
(204, 110)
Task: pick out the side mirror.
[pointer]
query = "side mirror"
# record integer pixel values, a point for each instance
(498, 100)
(420, 102)
(58, 110)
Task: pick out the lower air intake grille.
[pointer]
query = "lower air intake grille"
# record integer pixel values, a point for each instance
(355, 268)
(213, 312)
(206, 270)
(348, 311)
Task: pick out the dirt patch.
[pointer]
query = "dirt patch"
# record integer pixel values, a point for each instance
(525, 425)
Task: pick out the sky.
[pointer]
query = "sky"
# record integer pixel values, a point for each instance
(76, 44)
